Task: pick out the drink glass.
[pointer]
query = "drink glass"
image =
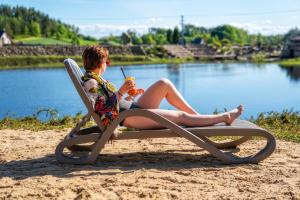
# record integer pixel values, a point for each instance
(133, 91)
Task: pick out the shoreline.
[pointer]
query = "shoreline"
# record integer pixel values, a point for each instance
(26, 62)
(285, 125)
(147, 61)
(32, 62)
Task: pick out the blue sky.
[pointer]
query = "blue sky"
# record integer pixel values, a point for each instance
(99, 18)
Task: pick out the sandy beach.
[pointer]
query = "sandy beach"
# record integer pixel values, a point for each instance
(148, 169)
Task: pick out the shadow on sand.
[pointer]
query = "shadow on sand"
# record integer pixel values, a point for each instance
(110, 164)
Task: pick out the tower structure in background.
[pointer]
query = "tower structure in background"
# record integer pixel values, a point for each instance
(181, 40)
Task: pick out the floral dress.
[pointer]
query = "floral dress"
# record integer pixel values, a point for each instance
(102, 94)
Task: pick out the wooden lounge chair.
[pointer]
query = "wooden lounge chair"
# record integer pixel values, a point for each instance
(93, 139)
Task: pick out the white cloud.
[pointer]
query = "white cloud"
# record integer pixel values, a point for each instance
(154, 19)
(99, 30)
(266, 27)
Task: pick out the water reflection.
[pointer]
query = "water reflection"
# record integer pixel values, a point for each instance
(225, 67)
(292, 72)
(174, 74)
(259, 65)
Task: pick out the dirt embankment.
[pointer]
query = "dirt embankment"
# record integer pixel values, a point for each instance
(69, 50)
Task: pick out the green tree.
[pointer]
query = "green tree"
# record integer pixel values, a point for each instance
(155, 31)
(233, 34)
(215, 43)
(169, 36)
(160, 39)
(15, 25)
(259, 41)
(148, 39)
(193, 31)
(291, 33)
(25, 30)
(125, 37)
(62, 31)
(226, 42)
(28, 21)
(175, 38)
(35, 29)
(8, 30)
(137, 40)
(206, 37)
(75, 40)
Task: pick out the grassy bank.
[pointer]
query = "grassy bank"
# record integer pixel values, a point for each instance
(17, 62)
(258, 58)
(50, 41)
(290, 62)
(284, 125)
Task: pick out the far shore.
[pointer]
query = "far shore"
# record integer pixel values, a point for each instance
(53, 61)
(23, 62)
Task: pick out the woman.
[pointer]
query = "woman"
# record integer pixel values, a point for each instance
(108, 101)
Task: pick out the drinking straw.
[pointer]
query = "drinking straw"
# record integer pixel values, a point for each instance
(123, 72)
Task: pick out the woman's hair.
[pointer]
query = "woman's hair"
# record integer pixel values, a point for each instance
(94, 55)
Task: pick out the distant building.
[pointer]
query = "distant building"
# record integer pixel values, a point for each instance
(292, 48)
(4, 38)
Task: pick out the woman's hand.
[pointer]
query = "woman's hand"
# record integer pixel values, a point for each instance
(138, 92)
(127, 85)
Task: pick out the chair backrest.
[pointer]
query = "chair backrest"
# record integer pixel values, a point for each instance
(75, 74)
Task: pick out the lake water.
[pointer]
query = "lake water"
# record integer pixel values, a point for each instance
(206, 86)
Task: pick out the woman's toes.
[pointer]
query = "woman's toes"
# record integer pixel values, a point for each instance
(230, 116)
(240, 108)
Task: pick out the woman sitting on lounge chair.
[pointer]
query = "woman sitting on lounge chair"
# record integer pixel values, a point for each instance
(108, 101)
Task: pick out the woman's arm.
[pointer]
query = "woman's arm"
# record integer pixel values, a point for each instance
(128, 85)
(119, 95)
(91, 88)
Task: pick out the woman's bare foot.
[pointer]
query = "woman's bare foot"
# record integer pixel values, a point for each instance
(233, 114)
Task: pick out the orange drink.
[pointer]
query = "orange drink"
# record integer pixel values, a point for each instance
(133, 91)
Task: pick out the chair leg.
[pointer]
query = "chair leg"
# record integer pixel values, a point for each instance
(85, 131)
(227, 145)
(64, 158)
(266, 151)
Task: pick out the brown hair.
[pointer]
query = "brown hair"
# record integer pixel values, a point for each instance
(93, 56)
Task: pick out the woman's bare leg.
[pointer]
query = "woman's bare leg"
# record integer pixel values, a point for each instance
(164, 88)
(183, 118)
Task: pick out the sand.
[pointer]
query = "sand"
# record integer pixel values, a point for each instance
(148, 169)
